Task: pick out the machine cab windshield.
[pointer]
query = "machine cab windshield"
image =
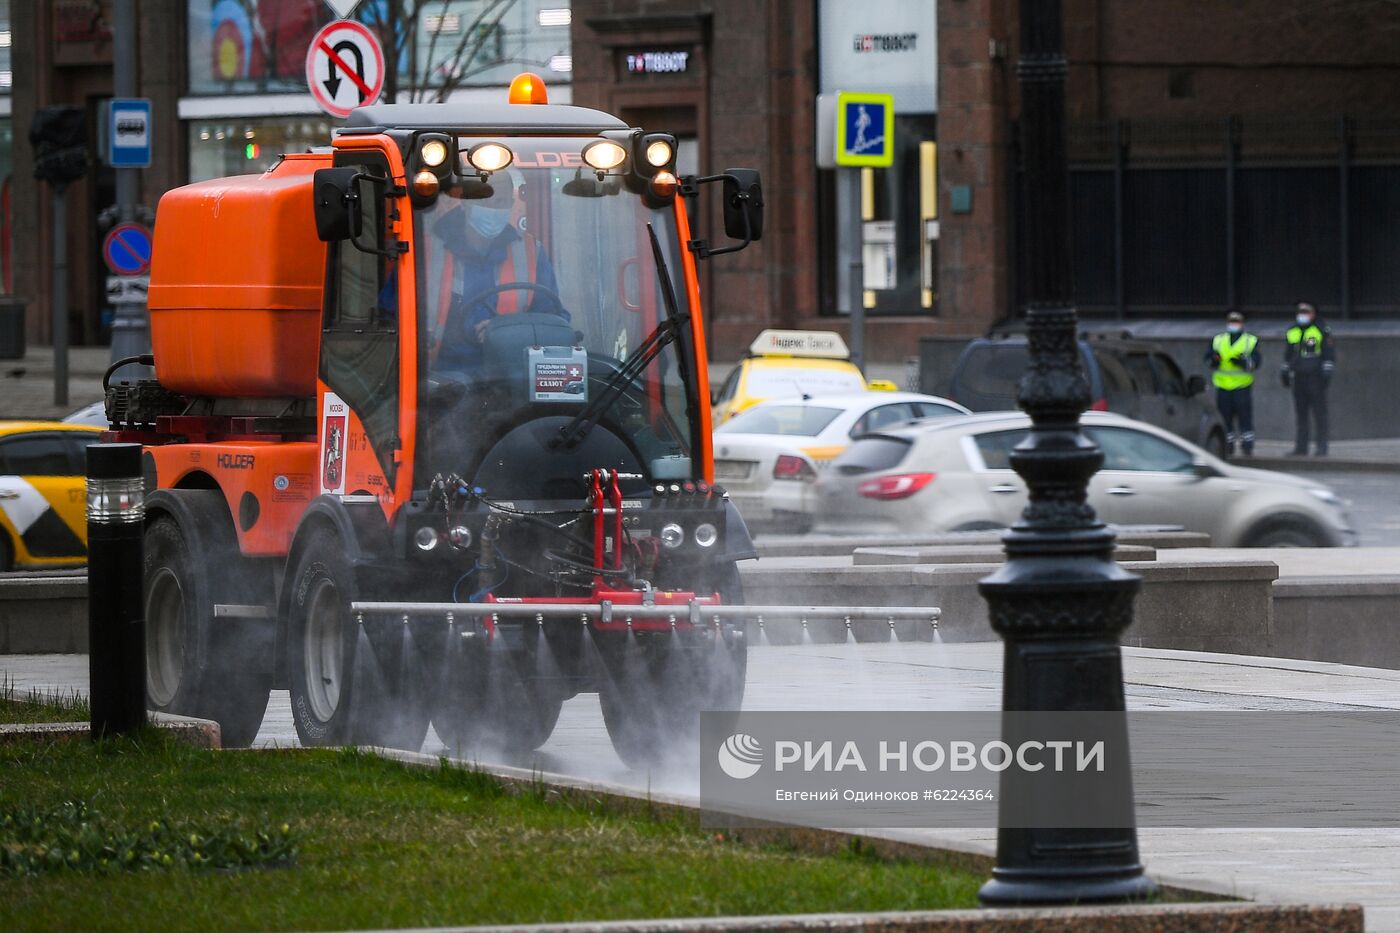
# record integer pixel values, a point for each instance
(537, 283)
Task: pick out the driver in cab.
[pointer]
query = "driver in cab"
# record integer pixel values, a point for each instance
(491, 267)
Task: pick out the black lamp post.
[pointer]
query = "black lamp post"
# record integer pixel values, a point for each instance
(1060, 602)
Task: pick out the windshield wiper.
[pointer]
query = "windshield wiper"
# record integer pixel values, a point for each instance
(666, 333)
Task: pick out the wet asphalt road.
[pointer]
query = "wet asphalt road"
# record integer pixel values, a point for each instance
(905, 676)
(1375, 503)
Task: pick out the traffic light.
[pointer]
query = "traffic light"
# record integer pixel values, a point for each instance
(59, 138)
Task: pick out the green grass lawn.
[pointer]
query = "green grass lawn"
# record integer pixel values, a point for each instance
(32, 706)
(379, 844)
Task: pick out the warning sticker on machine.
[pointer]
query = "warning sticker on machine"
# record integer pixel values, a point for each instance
(291, 487)
(558, 374)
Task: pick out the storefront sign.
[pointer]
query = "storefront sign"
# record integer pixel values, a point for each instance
(669, 62)
(886, 42)
(884, 45)
(82, 21)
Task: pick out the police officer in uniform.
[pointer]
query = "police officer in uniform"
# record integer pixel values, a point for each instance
(1308, 364)
(1234, 358)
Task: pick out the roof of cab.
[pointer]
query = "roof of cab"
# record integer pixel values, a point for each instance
(479, 118)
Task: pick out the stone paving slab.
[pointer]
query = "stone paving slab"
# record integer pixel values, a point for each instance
(26, 384)
(1276, 866)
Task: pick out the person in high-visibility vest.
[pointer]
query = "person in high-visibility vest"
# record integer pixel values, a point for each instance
(485, 251)
(1309, 360)
(1234, 358)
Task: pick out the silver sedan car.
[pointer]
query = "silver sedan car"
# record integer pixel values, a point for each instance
(955, 475)
(769, 456)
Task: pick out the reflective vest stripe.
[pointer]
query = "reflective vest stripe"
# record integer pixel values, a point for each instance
(1297, 335)
(449, 274)
(518, 266)
(1231, 374)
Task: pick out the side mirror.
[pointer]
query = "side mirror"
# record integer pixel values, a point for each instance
(337, 202)
(1195, 385)
(743, 204)
(1203, 470)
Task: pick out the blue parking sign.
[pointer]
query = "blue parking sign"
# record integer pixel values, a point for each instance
(865, 130)
(129, 133)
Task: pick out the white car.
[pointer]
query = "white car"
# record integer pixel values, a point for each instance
(955, 475)
(94, 414)
(768, 457)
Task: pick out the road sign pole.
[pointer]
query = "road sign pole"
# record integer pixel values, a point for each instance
(130, 331)
(863, 127)
(59, 295)
(855, 234)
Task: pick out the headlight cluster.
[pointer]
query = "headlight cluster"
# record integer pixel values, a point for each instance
(704, 535)
(649, 156)
(427, 538)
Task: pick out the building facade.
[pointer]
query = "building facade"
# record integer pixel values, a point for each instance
(1224, 154)
(738, 82)
(1241, 155)
(227, 83)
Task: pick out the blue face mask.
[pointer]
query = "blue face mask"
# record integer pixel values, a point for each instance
(489, 221)
(1304, 320)
(1234, 328)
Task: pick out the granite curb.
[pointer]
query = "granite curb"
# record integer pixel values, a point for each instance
(1155, 918)
(201, 733)
(1327, 464)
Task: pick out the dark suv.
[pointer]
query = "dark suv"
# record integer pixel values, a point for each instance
(1130, 377)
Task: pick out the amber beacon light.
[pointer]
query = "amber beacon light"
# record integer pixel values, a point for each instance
(528, 88)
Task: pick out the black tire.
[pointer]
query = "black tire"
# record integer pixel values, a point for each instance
(349, 684)
(1297, 533)
(1215, 445)
(7, 554)
(654, 685)
(196, 666)
(500, 692)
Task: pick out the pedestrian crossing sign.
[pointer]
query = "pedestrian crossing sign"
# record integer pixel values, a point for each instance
(865, 130)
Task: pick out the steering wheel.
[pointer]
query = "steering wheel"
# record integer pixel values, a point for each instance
(485, 293)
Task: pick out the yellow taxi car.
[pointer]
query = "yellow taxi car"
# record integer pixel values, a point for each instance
(43, 498)
(789, 364)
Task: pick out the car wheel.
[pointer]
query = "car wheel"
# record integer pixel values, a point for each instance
(195, 666)
(1215, 445)
(1288, 534)
(7, 555)
(349, 684)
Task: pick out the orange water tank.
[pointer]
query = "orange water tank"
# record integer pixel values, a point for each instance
(236, 279)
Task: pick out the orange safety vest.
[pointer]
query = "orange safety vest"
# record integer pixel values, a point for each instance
(520, 265)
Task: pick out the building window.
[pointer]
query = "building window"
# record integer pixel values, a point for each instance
(241, 47)
(223, 147)
(7, 78)
(1181, 84)
(7, 185)
(899, 226)
(259, 46)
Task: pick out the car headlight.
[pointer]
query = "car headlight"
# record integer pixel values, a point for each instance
(1328, 496)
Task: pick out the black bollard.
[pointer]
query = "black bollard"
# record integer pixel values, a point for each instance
(116, 514)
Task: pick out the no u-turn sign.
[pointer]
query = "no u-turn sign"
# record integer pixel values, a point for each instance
(344, 67)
